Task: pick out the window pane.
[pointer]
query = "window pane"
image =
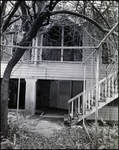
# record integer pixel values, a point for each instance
(72, 55)
(51, 54)
(53, 37)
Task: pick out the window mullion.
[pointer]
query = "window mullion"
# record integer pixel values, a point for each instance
(41, 44)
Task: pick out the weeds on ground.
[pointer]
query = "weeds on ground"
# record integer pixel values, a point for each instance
(72, 137)
(16, 130)
(107, 136)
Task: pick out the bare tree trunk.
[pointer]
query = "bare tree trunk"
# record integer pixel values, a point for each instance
(5, 91)
(18, 54)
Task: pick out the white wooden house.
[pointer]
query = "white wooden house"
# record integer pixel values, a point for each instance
(56, 67)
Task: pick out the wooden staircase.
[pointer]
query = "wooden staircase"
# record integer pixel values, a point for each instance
(107, 92)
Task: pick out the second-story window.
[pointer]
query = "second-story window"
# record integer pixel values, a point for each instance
(52, 38)
(72, 37)
(58, 40)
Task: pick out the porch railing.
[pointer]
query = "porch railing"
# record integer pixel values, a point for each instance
(107, 88)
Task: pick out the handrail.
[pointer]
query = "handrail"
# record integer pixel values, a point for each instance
(72, 99)
(107, 77)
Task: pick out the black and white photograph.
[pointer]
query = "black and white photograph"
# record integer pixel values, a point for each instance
(59, 74)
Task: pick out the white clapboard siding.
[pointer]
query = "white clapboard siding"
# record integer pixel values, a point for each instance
(48, 70)
(51, 70)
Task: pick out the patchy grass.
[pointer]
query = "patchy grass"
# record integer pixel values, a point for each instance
(67, 137)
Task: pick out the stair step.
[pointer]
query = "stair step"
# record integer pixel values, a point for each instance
(111, 94)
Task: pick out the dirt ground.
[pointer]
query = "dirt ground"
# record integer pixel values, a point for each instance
(44, 126)
(36, 132)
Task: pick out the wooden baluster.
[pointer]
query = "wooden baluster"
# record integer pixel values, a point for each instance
(86, 102)
(116, 83)
(72, 109)
(76, 107)
(79, 110)
(92, 97)
(99, 87)
(112, 84)
(106, 88)
(69, 106)
(102, 91)
(95, 97)
(89, 107)
(109, 87)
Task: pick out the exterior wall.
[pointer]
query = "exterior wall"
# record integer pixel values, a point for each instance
(108, 113)
(48, 70)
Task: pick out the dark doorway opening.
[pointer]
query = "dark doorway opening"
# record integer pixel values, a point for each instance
(52, 96)
(13, 92)
(77, 87)
(42, 94)
(67, 90)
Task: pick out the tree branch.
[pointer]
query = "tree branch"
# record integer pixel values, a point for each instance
(26, 8)
(101, 15)
(34, 10)
(84, 17)
(5, 25)
(14, 20)
(50, 5)
(54, 4)
(2, 11)
(3, 3)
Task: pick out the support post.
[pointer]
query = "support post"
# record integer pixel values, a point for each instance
(97, 96)
(62, 43)
(84, 90)
(18, 90)
(30, 97)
